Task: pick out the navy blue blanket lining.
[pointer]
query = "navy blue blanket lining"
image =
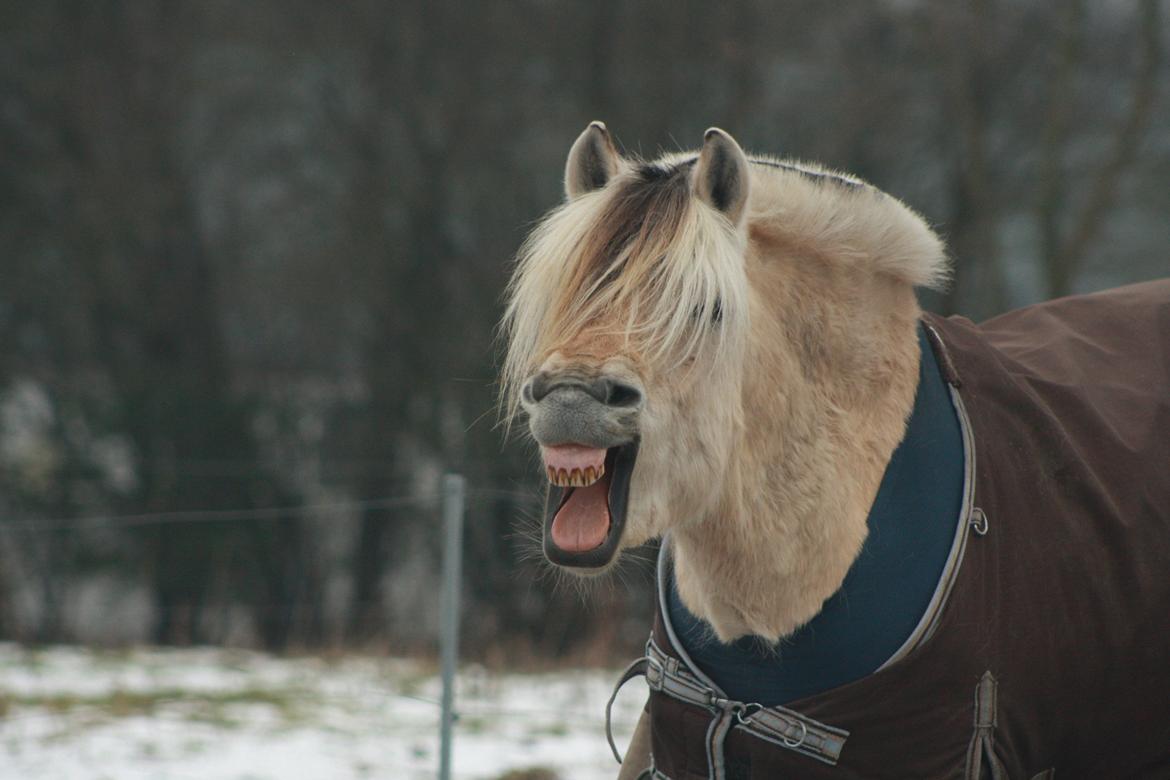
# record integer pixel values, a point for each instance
(885, 593)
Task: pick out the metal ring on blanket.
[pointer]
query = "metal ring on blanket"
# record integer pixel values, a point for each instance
(979, 521)
(803, 735)
(749, 709)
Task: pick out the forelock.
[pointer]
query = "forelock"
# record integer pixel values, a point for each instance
(635, 257)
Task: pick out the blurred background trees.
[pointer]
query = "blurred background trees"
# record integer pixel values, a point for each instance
(251, 258)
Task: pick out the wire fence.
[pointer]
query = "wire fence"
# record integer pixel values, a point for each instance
(228, 575)
(285, 513)
(453, 505)
(243, 564)
(233, 576)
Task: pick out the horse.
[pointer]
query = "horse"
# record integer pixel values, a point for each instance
(893, 544)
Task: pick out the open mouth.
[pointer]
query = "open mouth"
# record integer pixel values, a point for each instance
(585, 511)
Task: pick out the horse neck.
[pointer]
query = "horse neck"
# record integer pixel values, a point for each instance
(832, 369)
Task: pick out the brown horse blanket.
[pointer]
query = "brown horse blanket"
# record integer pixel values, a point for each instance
(1049, 653)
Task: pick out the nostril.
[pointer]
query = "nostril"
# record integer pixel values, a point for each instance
(603, 390)
(536, 388)
(622, 394)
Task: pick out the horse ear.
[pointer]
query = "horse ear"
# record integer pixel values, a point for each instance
(592, 162)
(721, 176)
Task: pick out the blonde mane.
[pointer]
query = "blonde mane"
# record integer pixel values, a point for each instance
(847, 220)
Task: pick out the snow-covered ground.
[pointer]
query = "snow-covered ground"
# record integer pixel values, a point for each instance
(214, 714)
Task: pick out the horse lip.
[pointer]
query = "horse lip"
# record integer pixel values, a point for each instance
(621, 471)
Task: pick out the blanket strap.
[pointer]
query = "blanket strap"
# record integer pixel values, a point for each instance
(981, 759)
(778, 725)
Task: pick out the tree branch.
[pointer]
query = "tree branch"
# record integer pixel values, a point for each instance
(1091, 219)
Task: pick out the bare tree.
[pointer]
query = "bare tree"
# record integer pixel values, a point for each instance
(1069, 228)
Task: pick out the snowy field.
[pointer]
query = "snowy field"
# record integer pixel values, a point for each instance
(229, 715)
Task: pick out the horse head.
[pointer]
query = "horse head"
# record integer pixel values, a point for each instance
(626, 326)
(722, 347)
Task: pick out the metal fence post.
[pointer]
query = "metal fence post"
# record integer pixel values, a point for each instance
(453, 508)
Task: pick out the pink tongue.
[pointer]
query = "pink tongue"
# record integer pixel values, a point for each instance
(573, 456)
(583, 522)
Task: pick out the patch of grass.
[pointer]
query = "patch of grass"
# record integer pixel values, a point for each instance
(194, 746)
(213, 707)
(554, 729)
(473, 724)
(117, 703)
(111, 657)
(411, 684)
(30, 658)
(214, 715)
(532, 773)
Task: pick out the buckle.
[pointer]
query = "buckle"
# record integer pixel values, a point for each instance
(655, 672)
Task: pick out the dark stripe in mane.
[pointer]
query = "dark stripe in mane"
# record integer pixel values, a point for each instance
(639, 219)
(814, 175)
(657, 172)
(807, 173)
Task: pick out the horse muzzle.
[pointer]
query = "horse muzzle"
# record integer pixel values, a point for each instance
(588, 432)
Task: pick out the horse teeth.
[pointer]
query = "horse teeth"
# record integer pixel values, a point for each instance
(575, 477)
